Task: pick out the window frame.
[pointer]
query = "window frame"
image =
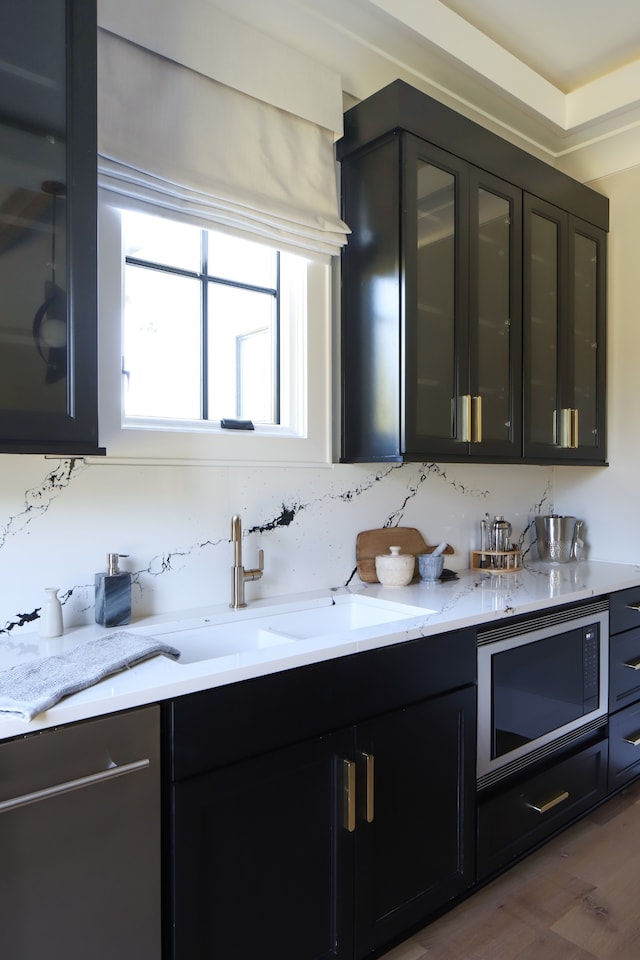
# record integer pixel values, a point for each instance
(305, 389)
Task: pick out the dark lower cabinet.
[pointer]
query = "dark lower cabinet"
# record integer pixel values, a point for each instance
(624, 746)
(415, 830)
(624, 687)
(334, 846)
(261, 864)
(517, 818)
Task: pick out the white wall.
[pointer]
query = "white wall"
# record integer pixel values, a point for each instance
(59, 519)
(608, 498)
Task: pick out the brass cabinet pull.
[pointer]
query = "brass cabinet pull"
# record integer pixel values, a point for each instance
(564, 439)
(632, 664)
(476, 420)
(550, 804)
(349, 795)
(465, 418)
(633, 739)
(369, 773)
(634, 606)
(574, 442)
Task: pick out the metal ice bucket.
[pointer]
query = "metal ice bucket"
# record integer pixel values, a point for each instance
(558, 538)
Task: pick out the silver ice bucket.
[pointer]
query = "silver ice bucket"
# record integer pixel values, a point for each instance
(558, 538)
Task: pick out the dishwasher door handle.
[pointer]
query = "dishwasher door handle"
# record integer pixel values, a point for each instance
(47, 793)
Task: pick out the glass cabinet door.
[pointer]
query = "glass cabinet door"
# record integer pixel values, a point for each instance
(436, 311)
(47, 142)
(544, 238)
(587, 306)
(495, 316)
(564, 350)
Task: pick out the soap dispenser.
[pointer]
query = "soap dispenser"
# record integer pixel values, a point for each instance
(113, 594)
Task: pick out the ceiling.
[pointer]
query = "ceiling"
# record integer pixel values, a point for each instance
(559, 77)
(568, 42)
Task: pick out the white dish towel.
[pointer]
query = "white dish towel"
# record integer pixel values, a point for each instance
(28, 689)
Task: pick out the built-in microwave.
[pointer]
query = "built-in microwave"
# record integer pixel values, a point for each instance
(542, 683)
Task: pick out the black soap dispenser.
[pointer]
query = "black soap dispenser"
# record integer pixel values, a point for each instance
(113, 594)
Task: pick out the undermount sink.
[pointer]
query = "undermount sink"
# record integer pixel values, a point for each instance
(247, 631)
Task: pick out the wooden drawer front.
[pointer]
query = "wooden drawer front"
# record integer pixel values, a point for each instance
(623, 614)
(624, 746)
(624, 669)
(509, 823)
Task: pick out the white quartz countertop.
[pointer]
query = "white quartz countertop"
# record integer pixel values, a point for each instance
(475, 598)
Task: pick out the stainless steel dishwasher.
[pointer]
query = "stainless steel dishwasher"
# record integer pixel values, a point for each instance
(80, 841)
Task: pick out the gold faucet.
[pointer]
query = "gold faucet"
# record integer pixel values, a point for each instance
(239, 575)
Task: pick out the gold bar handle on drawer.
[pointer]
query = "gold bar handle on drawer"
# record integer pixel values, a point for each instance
(465, 418)
(369, 790)
(476, 419)
(633, 739)
(632, 664)
(349, 795)
(634, 606)
(550, 804)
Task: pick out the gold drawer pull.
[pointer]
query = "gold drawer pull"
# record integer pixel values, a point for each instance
(633, 606)
(349, 795)
(550, 804)
(633, 739)
(633, 664)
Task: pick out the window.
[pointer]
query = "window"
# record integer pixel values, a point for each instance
(202, 327)
(198, 327)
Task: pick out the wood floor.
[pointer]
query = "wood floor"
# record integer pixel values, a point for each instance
(578, 898)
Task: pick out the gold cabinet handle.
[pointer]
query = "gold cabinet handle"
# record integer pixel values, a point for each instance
(633, 739)
(564, 439)
(349, 795)
(369, 789)
(633, 664)
(465, 418)
(476, 419)
(573, 440)
(550, 804)
(634, 606)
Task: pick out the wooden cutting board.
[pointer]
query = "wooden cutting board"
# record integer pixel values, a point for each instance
(372, 543)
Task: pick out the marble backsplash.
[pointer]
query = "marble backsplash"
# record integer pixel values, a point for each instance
(60, 518)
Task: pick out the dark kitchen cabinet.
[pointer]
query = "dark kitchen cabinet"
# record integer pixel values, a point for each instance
(48, 372)
(513, 821)
(435, 362)
(327, 810)
(431, 310)
(414, 836)
(624, 687)
(262, 862)
(564, 335)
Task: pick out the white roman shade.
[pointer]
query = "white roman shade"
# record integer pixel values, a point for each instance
(202, 151)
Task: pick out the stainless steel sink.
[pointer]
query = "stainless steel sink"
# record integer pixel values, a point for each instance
(344, 617)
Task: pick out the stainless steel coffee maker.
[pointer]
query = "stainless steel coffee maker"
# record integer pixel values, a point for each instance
(558, 538)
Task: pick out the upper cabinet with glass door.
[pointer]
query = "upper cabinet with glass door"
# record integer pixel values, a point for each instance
(48, 376)
(434, 362)
(564, 309)
(462, 308)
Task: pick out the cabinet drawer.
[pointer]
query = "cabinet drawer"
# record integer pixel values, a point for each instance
(624, 669)
(624, 611)
(624, 746)
(523, 815)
